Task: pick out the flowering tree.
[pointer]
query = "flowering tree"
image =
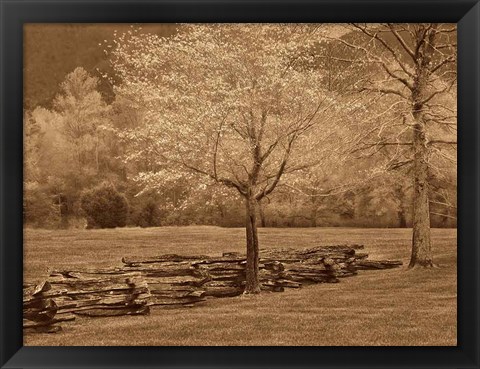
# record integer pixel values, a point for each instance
(235, 104)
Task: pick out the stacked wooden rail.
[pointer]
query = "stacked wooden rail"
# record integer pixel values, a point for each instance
(107, 292)
(171, 279)
(187, 280)
(40, 309)
(178, 280)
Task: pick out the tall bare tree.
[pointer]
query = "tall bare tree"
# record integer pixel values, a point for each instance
(413, 82)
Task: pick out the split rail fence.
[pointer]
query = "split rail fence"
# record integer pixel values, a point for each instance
(181, 281)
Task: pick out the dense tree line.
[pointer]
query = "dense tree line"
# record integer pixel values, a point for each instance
(70, 149)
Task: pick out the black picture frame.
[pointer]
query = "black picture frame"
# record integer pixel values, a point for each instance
(15, 13)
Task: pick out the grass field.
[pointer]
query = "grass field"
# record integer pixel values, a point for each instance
(392, 307)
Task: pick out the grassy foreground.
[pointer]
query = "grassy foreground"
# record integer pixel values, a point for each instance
(396, 307)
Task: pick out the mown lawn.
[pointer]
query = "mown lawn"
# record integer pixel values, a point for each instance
(391, 307)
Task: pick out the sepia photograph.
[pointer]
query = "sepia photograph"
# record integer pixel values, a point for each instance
(240, 184)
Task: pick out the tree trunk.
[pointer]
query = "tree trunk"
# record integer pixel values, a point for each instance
(421, 242)
(402, 220)
(221, 211)
(261, 213)
(64, 211)
(402, 211)
(97, 161)
(252, 283)
(313, 216)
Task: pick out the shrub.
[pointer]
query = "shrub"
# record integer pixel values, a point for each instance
(105, 207)
(145, 211)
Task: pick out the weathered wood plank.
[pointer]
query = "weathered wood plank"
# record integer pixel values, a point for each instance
(158, 294)
(81, 273)
(219, 266)
(222, 259)
(377, 264)
(162, 258)
(220, 289)
(178, 281)
(179, 301)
